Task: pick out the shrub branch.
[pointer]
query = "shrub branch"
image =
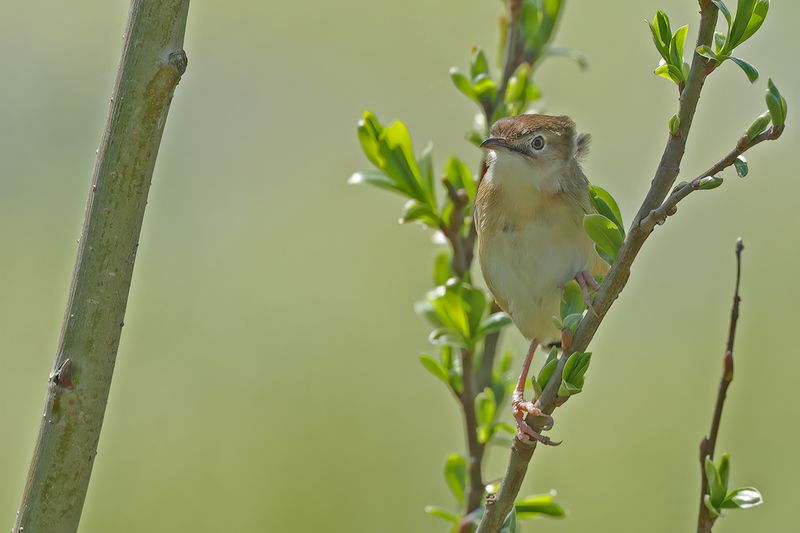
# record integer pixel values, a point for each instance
(709, 443)
(498, 506)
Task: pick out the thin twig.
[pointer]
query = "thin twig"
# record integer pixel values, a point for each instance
(500, 505)
(709, 443)
(513, 54)
(669, 207)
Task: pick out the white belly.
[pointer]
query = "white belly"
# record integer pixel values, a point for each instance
(527, 266)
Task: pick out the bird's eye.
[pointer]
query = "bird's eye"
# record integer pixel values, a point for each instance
(537, 143)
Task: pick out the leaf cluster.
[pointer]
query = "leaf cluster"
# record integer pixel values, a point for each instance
(719, 497)
(749, 17)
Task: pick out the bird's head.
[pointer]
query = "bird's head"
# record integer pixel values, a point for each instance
(540, 140)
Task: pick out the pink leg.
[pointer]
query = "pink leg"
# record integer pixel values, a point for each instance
(586, 280)
(521, 408)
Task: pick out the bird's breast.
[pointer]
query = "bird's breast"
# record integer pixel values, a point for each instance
(529, 248)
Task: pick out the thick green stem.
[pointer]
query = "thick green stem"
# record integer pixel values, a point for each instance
(151, 66)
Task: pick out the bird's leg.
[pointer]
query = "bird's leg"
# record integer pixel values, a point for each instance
(586, 280)
(521, 408)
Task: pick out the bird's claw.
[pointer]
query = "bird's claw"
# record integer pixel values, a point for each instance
(586, 280)
(525, 433)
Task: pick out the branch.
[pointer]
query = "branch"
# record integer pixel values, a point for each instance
(151, 66)
(498, 507)
(513, 55)
(707, 446)
(669, 207)
(475, 449)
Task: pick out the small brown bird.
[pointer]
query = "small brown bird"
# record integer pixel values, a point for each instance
(529, 215)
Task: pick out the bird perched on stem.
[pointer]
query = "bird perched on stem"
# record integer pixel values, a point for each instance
(529, 214)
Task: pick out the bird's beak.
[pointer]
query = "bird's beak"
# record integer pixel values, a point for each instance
(494, 142)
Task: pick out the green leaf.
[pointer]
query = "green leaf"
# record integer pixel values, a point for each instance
(440, 512)
(719, 42)
(680, 185)
(572, 378)
(510, 523)
(676, 46)
(755, 22)
(475, 138)
(571, 322)
(724, 10)
(551, 10)
(776, 104)
(369, 129)
(538, 504)
(670, 72)
(505, 361)
(455, 474)
(447, 357)
(442, 268)
(425, 164)
(376, 178)
(724, 469)
(750, 70)
(517, 83)
(458, 309)
(606, 205)
(572, 299)
(395, 150)
(707, 52)
(759, 125)
(533, 92)
(433, 366)
(708, 183)
(605, 234)
(712, 511)
(674, 125)
(460, 176)
(741, 166)
(485, 407)
(475, 304)
(546, 372)
(508, 428)
(457, 382)
(413, 211)
(463, 84)
(570, 53)
(485, 88)
(494, 322)
(662, 34)
(744, 12)
(743, 498)
(478, 64)
(716, 491)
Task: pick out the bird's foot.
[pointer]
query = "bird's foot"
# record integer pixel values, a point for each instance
(525, 433)
(586, 280)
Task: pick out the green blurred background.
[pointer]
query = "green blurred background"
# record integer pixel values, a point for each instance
(268, 377)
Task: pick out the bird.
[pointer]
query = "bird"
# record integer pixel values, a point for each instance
(529, 211)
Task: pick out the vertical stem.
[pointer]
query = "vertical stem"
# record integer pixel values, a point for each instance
(709, 444)
(151, 66)
(475, 449)
(483, 374)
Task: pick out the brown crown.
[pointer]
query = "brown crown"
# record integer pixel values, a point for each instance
(512, 128)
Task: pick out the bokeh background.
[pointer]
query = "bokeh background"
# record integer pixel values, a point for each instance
(268, 377)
